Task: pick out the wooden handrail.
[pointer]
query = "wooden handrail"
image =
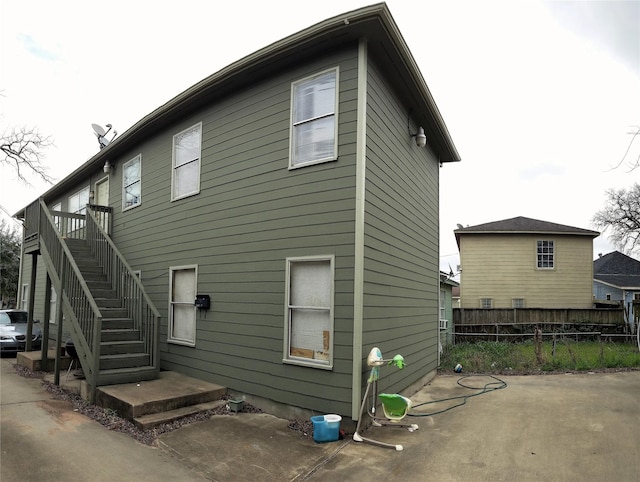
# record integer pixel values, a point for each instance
(79, 305)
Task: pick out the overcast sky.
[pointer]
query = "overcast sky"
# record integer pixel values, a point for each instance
(539, 96)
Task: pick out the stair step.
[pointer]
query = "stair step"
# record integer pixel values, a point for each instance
(146, 422)
(117, 324)
(112, 312)
(105, 303)
(126, 375)
(124, 360)
(119, 334)
(121, 347)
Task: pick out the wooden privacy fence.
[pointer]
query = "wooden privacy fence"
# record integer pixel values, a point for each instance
(537, 316)
(521, 324)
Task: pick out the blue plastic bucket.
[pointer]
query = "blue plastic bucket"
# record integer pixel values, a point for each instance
(326, 428)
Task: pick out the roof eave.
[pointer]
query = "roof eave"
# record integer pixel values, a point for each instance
(345, 22)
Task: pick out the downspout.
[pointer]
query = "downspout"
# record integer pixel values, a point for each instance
(358, 276)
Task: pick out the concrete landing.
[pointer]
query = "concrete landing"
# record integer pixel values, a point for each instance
(33, 360)
(170, 394)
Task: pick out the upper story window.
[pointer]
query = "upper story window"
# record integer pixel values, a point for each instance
(545, 255)
(314, 123)
(185, 179)
(78, 201)
(132, 183)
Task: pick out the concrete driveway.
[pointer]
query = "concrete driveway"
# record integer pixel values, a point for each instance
(550, 427)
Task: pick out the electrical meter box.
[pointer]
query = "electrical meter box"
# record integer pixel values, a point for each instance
(203, 302)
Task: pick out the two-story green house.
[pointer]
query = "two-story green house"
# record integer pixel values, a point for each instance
(292, 194)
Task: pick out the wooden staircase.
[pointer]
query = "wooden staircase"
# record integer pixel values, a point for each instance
(122, 352)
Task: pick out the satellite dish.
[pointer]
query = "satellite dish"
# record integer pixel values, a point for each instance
(101, 135)
(460, 226)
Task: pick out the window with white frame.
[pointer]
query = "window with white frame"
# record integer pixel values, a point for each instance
(443, 309)
(517, 302)
(545, 255)
(314, 123)
(309, 311)
(486, 303)
(53, 305)
(187, 149)
(182, 310)
(132, 183)
(24, 297)
(77, 204)
(78, 201)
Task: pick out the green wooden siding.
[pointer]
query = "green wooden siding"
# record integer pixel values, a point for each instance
(401, 239)
(251, 213)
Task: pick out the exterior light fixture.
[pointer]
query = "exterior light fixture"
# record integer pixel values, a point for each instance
(108, 168)
(421, 139)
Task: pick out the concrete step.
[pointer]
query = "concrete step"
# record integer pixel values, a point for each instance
(170, 391)
(145, 422)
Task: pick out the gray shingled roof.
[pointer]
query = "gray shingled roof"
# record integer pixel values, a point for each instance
(617, 269)
(522, 225)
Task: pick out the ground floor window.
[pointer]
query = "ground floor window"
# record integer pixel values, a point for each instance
(53, 305)
(24, 297)
(309, 311)
(486, 303)
(182, 310)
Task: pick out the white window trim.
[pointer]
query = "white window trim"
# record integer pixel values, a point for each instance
(546, 268)
(82, 208)
(124, 197)
(53, 305)
(334, 157)
(170, 339)
(24, 297)
(286, 358)
(482, 303)
(173, 164)
(515, 300)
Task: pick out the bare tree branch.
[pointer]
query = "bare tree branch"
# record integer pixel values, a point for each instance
(621, 215)
(635, 164)
(23, 150)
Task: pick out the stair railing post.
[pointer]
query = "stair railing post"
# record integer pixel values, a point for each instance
(56, 369)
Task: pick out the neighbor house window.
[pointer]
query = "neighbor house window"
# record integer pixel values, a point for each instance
(185, 179)
(182, 310)
(309, 311)
(132, 183)
(517, 302)
(314, 102)
(486, 303)
(545, 255)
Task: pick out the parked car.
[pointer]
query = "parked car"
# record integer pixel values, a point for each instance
(13, 332)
